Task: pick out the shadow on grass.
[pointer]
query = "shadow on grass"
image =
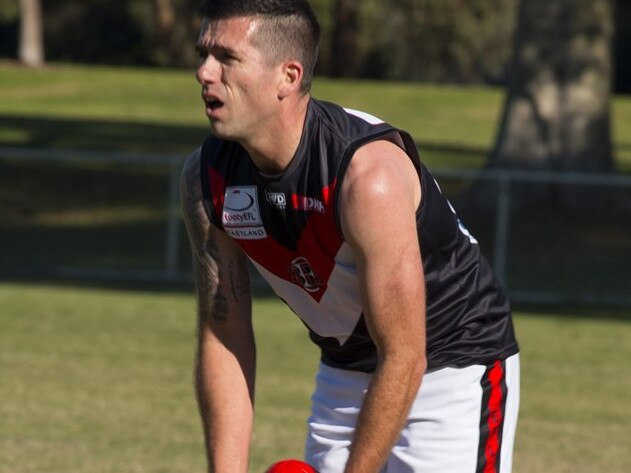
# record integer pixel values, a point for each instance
(260, 289)
(79, 133)
(75, 133)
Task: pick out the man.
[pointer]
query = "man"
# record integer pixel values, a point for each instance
(336, 211)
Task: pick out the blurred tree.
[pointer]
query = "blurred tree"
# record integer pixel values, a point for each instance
(165, 15)
(437, 40)
(345, 58)
(9, 28)
(557, 110)
(323, 9)
(31, 44)
(170, 28)
(93, 31)
(383, 39)
(622, 47)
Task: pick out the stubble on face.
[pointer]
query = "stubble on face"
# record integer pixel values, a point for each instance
(241, 76)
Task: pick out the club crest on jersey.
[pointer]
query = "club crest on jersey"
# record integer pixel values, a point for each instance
(241, 215)
(307, 204)
(302, 273)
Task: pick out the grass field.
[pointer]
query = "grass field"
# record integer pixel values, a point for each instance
(67, 106)
(100, 381)
(97, 380)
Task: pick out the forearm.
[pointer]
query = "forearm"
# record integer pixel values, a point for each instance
(225, 394)
(384, 411)
(226, 361)
(226, 349)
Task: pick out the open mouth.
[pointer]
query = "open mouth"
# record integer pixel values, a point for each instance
(214, 104)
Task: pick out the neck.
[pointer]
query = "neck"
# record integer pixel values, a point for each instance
(275, 148)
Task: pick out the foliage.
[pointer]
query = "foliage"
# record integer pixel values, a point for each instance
(8, 10)
(438, 40)
(9, 27)
(124, 32)
(399, 39)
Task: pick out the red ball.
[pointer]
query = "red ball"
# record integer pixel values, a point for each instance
(291, 466)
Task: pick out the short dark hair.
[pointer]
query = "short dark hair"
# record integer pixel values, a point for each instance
(289, 30)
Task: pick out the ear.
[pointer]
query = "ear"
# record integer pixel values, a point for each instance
(292, 73)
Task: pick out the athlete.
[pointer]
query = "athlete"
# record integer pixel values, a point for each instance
(420, 367)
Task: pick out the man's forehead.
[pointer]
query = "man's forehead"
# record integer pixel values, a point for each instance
(228, 29)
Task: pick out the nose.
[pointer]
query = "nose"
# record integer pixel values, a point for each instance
(208, 70)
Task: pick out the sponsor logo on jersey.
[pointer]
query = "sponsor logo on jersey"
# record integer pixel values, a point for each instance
(303, 273)
(307, 204)
(277, 199)
(241, 216)
(247, 233)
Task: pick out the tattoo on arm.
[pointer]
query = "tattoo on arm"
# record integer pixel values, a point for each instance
(212, 302)
(239, 279)
(213, 292)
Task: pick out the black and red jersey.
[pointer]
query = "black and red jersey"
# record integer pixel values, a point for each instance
(288, 225)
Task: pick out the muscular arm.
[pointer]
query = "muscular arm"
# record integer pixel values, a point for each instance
(379, 197)
(225, 367)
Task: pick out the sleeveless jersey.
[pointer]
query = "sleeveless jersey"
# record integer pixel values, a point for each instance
(288, 225)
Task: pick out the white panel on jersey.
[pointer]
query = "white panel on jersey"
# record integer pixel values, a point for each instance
(339, 309)
(241, 216)
(364, 116)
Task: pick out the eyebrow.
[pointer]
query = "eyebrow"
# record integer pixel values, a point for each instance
(217, 48)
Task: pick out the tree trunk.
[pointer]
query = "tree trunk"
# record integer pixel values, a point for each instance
(556, 115)
(166, 17)
(345, 39)
(31, 46)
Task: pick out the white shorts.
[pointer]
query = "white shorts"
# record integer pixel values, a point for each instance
(462, 421)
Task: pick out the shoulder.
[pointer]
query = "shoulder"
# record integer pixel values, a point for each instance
(193, 162)
(380, 167)
(380, 182)
(190, 176)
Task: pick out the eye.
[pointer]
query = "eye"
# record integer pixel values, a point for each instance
(226, 58)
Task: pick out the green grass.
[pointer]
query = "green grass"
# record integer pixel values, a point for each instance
(68, 106)
(127, 95)
(100, 381)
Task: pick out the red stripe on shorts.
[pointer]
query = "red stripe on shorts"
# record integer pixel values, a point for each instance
(492, 418)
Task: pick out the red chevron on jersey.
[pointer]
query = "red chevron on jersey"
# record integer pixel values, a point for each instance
(310, 265)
